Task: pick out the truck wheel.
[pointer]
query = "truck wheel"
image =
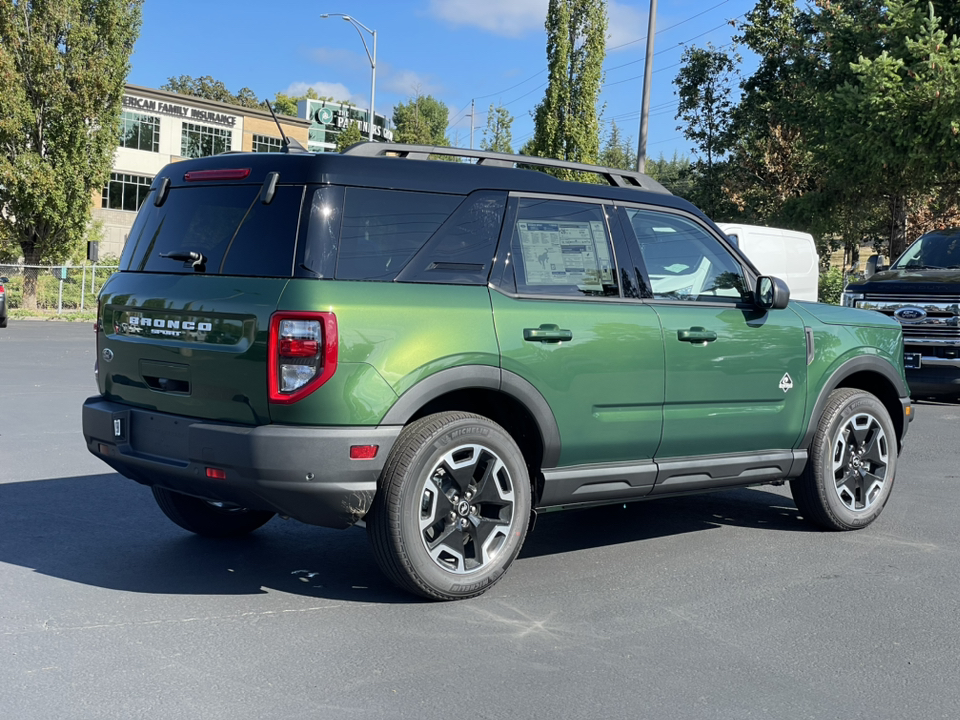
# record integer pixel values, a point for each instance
(452, 507)
(208, 518)
(852, 463)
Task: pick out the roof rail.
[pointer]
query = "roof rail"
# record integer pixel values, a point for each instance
(614, 176)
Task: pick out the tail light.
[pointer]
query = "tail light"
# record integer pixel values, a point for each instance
(302, 354)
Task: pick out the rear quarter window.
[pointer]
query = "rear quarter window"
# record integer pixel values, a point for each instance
(383, 229)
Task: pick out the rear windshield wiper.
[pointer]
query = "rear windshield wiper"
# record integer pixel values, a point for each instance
(197, 260)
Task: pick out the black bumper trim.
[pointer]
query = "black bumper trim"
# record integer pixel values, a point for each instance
(301, 472)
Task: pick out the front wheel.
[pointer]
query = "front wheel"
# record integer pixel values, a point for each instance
(206, 517)
(452, 508)
(853, 459)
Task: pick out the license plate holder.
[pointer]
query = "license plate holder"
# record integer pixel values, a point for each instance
(912, 361)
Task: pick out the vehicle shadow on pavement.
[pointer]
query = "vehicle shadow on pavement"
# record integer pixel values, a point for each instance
(634, 522)
(105, 531)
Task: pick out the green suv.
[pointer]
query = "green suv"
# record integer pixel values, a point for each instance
(438, 350)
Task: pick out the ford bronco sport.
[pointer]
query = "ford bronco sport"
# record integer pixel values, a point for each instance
(437, 350)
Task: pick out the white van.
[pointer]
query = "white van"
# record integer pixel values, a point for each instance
(786, 254)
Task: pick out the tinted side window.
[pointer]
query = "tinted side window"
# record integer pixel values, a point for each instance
(235, 232)
(382, 229)
(563, 248)
(461, 251)
(683, 261)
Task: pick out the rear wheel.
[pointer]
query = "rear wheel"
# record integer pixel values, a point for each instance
(452, 508)
(206, 517)
(852, 463)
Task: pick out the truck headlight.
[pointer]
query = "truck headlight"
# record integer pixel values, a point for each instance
(850, 298)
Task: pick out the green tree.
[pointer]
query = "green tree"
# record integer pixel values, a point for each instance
(209, 89)
(63, 65)
(771, 164)
(705, 86)
(422, 120)
(284, 104)
(350, 135)
(566, 121)
(891, 106)
(673, 174)
(618, 151)
(849, 124)
(497, 136)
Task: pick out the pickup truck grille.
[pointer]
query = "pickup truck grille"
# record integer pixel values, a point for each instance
(940, 319)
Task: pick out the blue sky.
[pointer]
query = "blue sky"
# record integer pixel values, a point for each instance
(492, 51)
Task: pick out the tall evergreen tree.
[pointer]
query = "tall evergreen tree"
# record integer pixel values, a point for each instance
(567, 123)
(618, 152)
(63, 65)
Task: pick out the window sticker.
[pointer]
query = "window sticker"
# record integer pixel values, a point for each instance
(566, 253)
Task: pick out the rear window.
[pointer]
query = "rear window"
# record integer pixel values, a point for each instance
(235, 232)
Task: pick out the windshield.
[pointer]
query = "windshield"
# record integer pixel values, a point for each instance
(932, 251)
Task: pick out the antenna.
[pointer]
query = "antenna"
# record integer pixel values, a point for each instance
(289, 144)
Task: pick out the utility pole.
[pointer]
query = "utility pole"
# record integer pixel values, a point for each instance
(645, 102)
(473, 110)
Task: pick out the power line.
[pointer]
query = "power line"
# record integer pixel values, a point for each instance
(616, 47)
(658, 32)
(484, 97)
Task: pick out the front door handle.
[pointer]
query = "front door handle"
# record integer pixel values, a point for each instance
(547, 334)
(696, 335)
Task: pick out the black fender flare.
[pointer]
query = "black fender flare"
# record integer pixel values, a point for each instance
(871, 363)
(465, 377)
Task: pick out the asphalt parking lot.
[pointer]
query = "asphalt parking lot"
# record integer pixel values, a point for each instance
(715, 606)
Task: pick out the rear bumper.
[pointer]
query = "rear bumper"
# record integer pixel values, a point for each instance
(302, 472)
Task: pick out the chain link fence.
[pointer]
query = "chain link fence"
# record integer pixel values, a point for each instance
(58, 288)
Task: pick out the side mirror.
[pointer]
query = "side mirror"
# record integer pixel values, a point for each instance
(874, 265)
(3, 279)
(772, 293)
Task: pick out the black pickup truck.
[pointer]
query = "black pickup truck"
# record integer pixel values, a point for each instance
(921, 290)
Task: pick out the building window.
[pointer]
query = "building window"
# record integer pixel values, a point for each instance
(265, 143)
(125, 192)
(201, 141)
(140, 132)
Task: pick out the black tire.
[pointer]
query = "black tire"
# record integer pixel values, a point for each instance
(852, 464)
(452, 508)
(204, 517)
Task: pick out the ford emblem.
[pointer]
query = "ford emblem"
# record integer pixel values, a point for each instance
(910, 314)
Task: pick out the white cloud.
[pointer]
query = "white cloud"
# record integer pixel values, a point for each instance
(625, 24)
(510, 18)
(406, 82)
(515, 18)
(338, 91)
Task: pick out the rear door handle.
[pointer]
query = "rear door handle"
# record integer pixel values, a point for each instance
(547, 334)
(696, 335)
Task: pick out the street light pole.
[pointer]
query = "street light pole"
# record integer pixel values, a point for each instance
(372, 57)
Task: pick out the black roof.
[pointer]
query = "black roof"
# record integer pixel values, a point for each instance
(411, 173)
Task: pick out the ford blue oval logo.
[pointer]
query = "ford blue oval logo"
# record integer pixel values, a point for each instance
(910, 314)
